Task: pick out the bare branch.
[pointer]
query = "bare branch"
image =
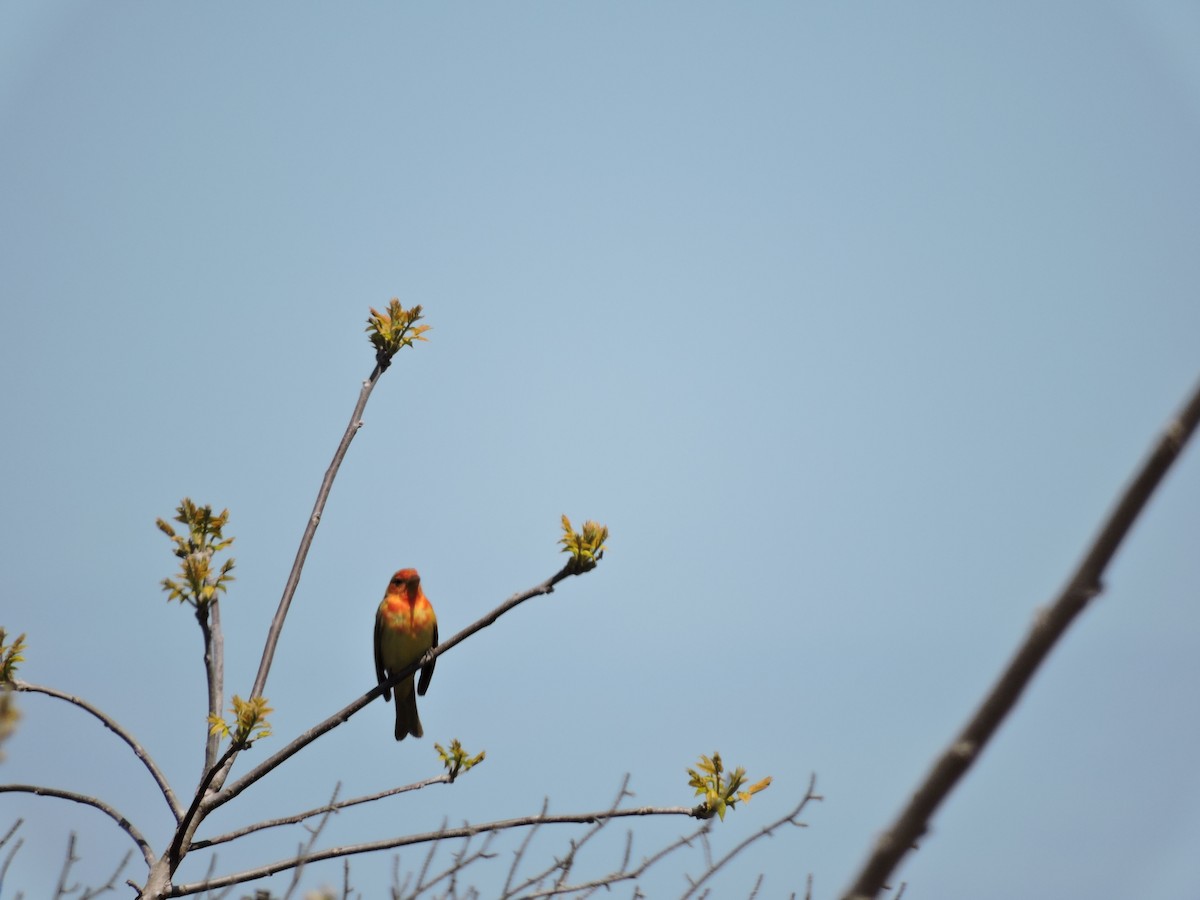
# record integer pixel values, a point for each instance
(61, 889)
(293, 581)
(576, 846)
(12, 852)
(624, 874)
(460, 861)
(187, 826)
(111, 884)
(564, 865)
(433, 836)
(138, 750)
(519, 854)
(209, 617)
(1048, 628)
(308, 814)
(128, 827)
(433, 849)
(306, 848)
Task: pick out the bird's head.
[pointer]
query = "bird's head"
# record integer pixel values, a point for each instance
(406, 578)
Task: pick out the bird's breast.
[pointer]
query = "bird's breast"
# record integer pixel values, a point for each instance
(400, 614)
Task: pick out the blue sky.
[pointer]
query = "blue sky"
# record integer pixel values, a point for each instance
(849, 320)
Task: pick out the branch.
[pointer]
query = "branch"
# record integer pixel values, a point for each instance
(564, 865)
(625, 874)
(111, 884)
(87, 893)
(622, 874)
(1048, 628)
(459, 861)
(15, 847)
(520, 854)
(61, 888)
(128, 827)
(445, 833)
(214, 669)
(293, 581)
(344, 714)
(306, 848)
(308, 814)
(111, 725)
(194, 816)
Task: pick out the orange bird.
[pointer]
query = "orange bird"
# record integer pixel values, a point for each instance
(405, 627)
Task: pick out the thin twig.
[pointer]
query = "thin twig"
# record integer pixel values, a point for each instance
(1048, 628)
(128, 827)
(565, 865)
(434, 846)
(306, 848)
(519, 854)
(138, 750)
(428, 837)
(310, 530)
(13, 851)
(623, 874)
(461, 860)
(61, 889)
(308, 814)
(576, 846)
(111, 884)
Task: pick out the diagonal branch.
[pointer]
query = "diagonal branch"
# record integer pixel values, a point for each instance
(310, 531)
(306, 848)
(195, 815)
(562, 865)
(1049, 627)
(8, 858)
(308, 814)
(128, 827)
(111, 724)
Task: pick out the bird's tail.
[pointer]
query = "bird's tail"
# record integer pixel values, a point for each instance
(407, 720)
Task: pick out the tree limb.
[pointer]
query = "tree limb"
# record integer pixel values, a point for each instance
(209, 617)
(293, 580)
(308, 814)
(128, 827)
(111, 724)
(1048, 628)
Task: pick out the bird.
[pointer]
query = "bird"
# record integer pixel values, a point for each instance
(405, 628)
